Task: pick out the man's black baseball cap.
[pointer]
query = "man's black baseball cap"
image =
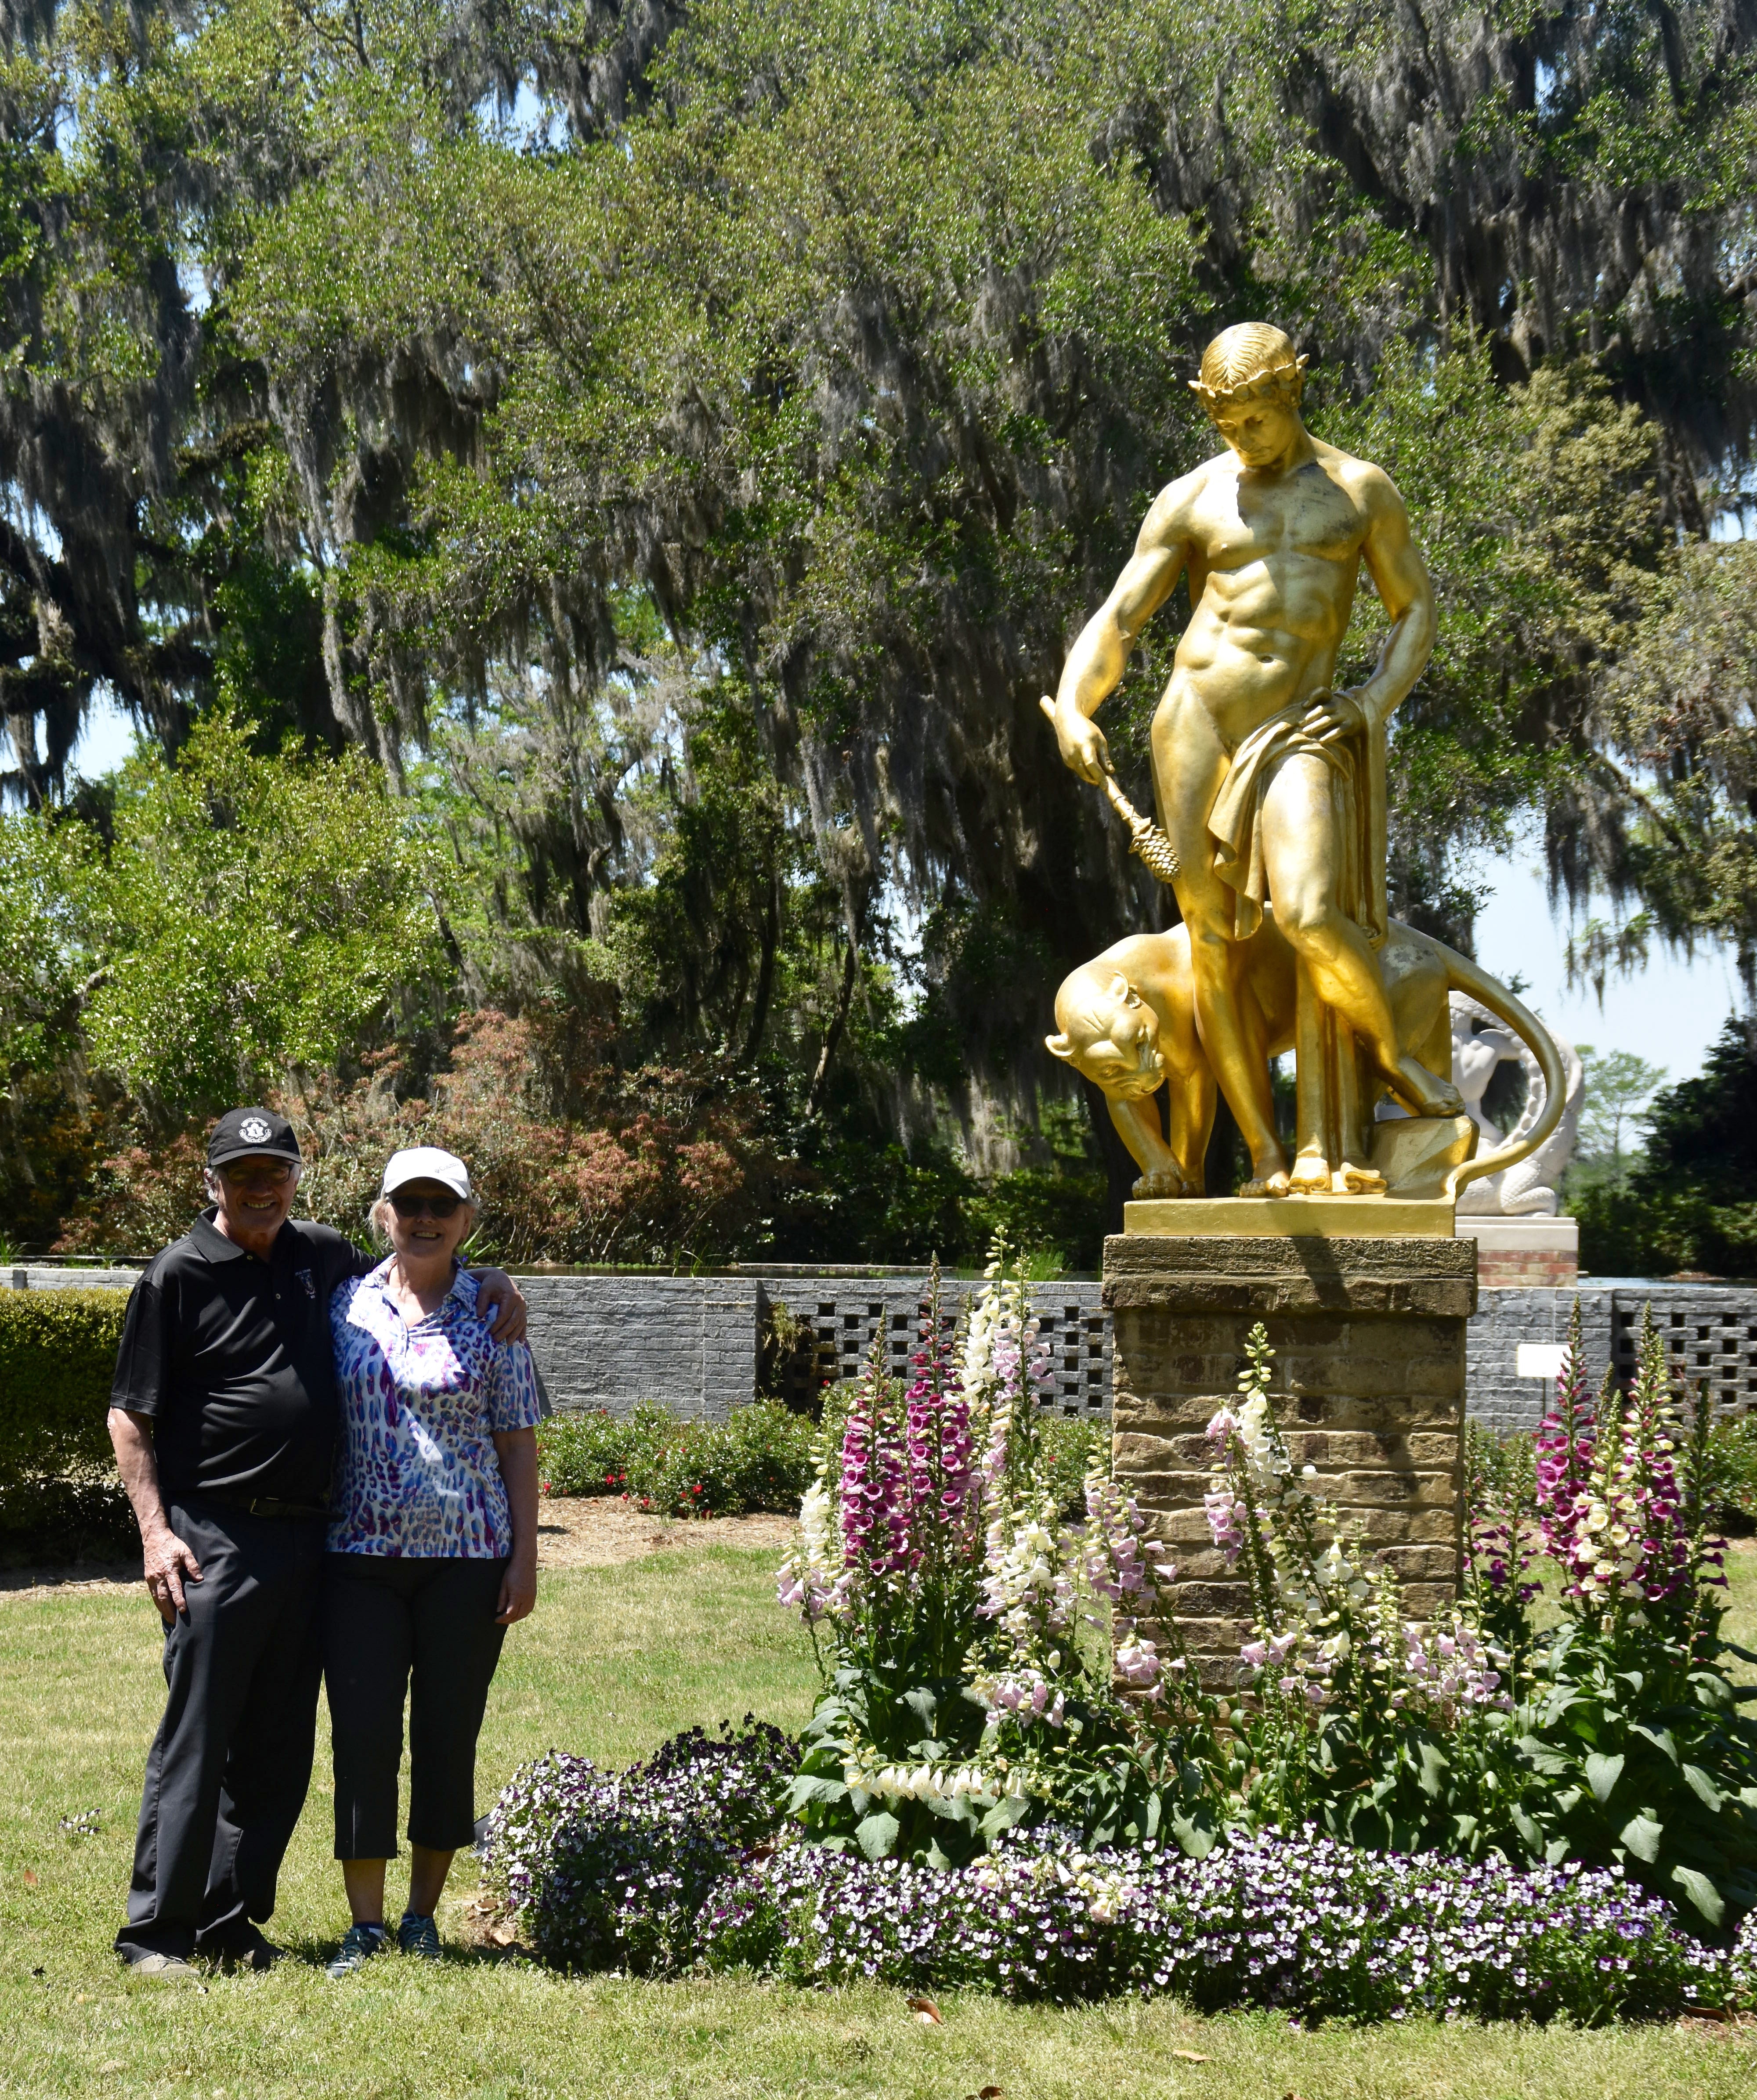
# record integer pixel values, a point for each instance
(251, 1134)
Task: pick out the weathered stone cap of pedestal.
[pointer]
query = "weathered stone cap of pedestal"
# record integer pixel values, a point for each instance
(1198, 1273)
(1368, 1387)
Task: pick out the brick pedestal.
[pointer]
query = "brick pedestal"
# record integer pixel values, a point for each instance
(1533, 1254)
(1369, 1383)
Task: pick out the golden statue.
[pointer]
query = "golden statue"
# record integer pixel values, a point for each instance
(1270, 785)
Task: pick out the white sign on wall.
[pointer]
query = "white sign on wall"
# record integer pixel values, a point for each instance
(1541, 1360)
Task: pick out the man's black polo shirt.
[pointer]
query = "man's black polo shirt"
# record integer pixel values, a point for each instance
(230, 1356)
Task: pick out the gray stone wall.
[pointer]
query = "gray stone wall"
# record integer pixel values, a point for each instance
(1495, 1393)
(50, 1277)
(609, 1341)
(845, 1313)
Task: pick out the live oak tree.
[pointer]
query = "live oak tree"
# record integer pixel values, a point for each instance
(418, 377)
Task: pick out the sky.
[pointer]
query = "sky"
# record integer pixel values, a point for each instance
(1670, 1013)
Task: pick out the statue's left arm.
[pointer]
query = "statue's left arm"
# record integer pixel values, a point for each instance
(1401, 577)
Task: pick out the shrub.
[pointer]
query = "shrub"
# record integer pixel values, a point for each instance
(1729, 1488)
(760, 1458)
(612, 1870)
(57, 1483)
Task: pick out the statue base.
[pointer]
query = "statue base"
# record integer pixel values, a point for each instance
(1290, 1217)
(1369, 1381)
(1530, 1254)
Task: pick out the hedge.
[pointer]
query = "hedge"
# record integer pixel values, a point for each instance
(57, 1359)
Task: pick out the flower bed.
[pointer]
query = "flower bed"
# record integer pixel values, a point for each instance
(1013, 1779)
(675, 1863)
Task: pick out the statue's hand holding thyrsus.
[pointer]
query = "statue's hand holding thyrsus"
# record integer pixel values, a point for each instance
(1083, 748)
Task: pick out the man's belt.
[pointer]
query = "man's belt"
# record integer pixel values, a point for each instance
(263, 1505)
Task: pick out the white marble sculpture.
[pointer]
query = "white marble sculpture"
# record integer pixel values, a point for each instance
(1479, 1046)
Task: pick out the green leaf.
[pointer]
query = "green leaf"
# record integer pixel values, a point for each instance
(877, 1835)
(1703, 1788)
(1602, 1774)
(805, 1788)
(1527, 1828)
(1660, 1738)
(1642, 1835)
(1702, 1892)
(1004, 1815)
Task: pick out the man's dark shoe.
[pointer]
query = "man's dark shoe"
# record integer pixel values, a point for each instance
(419, 1936)
(248, 1950)
(359, 1945)
(169, 1968)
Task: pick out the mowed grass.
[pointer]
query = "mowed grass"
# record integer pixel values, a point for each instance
(615, 1660)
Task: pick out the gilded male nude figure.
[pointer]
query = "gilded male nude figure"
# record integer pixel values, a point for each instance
(1269, 783)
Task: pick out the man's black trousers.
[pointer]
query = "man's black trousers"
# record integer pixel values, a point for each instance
(388, 1622)
(227, 1772)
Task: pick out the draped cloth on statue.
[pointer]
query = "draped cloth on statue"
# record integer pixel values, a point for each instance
(1357, 768)
(1335, 1084)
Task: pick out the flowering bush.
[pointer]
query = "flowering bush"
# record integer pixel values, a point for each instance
(1386, 1732)
(1611, 1737)
(1629, 1729)
(611, 1870)
(760, 1458)
(975, 1641)
(1302, 1923)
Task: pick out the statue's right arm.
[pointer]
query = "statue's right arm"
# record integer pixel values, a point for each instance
(1096, 662)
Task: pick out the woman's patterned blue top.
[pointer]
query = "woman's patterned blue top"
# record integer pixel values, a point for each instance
(420, 1479)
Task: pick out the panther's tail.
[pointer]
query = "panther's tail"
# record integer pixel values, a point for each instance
(1464, 976)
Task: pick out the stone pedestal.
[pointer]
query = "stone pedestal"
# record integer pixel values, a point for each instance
(1369, 1380)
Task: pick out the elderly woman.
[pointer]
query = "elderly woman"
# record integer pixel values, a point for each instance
(432, 1550)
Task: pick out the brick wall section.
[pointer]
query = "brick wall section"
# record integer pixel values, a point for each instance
(1548, 1269)
(1369, 1335)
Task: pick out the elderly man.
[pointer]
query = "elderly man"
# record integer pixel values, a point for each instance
(224, 1420)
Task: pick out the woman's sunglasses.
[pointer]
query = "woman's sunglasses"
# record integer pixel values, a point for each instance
(425, 1207)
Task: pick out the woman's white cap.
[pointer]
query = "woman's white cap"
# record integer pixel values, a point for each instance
(427, 1162)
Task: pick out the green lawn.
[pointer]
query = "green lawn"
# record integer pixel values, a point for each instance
(615, 1659)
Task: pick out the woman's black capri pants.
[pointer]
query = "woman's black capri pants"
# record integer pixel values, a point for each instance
(384, 1621)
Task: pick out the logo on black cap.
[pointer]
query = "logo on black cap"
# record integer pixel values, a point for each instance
(241, 1132)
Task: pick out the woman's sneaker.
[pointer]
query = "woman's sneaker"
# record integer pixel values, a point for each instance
(360, 1943)
(419, 1936)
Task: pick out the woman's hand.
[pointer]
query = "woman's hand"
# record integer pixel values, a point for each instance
(518, 1598)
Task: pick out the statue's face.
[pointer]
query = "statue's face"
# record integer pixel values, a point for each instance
(1260, 428)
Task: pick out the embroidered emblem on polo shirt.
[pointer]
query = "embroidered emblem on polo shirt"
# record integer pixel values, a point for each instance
(253, 1129)
(308, 1280)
